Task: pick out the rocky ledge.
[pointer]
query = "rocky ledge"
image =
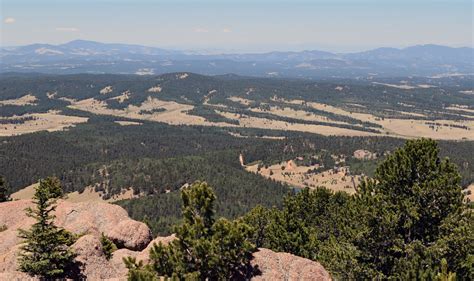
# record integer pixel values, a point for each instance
(133, 238)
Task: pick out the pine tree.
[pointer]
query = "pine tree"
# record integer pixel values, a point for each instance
(136, 271)
(108, 247)
(205, 249)
(412, 194)
(46, 250)
(258, 219)
(3, 190)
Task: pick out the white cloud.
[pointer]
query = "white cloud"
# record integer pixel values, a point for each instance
(67, 29)
(200, 30)
(9, 20)
(227, 30)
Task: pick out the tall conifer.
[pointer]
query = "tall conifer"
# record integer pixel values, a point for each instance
(46, 250)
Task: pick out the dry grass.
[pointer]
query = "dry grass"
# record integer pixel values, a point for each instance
(128, 123)
(50, 121)
(240, 100)
(297, 114)
(470, 197)
(403, 87)
(237, 135)
(298, 176)
(175, 114)
(123, 97)
(155, 89)
(25, 193)
(406, 128)
(106, 90)
(89, 195)
(255, 122)
(462, 109)
(28, 99)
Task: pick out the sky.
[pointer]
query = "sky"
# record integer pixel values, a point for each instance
(241, 26)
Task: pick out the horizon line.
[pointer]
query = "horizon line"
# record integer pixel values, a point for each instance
(228, 52)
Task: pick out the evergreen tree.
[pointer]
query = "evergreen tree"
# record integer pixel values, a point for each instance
(46, 250)
(258, 219)
(108, 247)
(411, 195)
(3, 190)
(315, 224)
(137, 271)
(205, 249)
(400, 224)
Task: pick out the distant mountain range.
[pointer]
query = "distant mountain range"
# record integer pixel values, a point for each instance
(82, 56)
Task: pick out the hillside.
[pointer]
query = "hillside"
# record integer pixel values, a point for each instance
(143, 138)
(414, 200)
(415, 107)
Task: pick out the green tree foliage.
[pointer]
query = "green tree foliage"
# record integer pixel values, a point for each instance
(258, 219)
(137, 272)
(3, 190)
(400, 224)
(108, 247)
(444, 275)
(46, 250)
(315, 224)
(411, 195)
(205, 248)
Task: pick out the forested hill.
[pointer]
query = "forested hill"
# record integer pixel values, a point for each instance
(155, 134)
(156, 160)
(374, 94)
(440, 108)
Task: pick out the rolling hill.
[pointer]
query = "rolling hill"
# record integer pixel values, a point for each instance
(82, 56)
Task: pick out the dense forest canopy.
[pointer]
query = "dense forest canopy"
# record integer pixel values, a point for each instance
(157, 159)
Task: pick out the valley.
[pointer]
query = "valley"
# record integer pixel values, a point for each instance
(236, 140)
(356, 109)
(138, 141)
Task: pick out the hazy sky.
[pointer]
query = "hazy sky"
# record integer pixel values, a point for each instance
(229, 25)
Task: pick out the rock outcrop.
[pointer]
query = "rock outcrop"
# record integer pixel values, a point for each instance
(131, 235)
(89, 219)
(283, 266)
(133, 239)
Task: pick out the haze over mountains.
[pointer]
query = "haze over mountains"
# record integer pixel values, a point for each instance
(82, 56)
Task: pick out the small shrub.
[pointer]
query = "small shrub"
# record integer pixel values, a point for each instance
(108, 247)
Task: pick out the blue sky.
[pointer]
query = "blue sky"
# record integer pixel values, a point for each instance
(228, 25)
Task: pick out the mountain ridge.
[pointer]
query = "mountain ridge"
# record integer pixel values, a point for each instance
(83, 56)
